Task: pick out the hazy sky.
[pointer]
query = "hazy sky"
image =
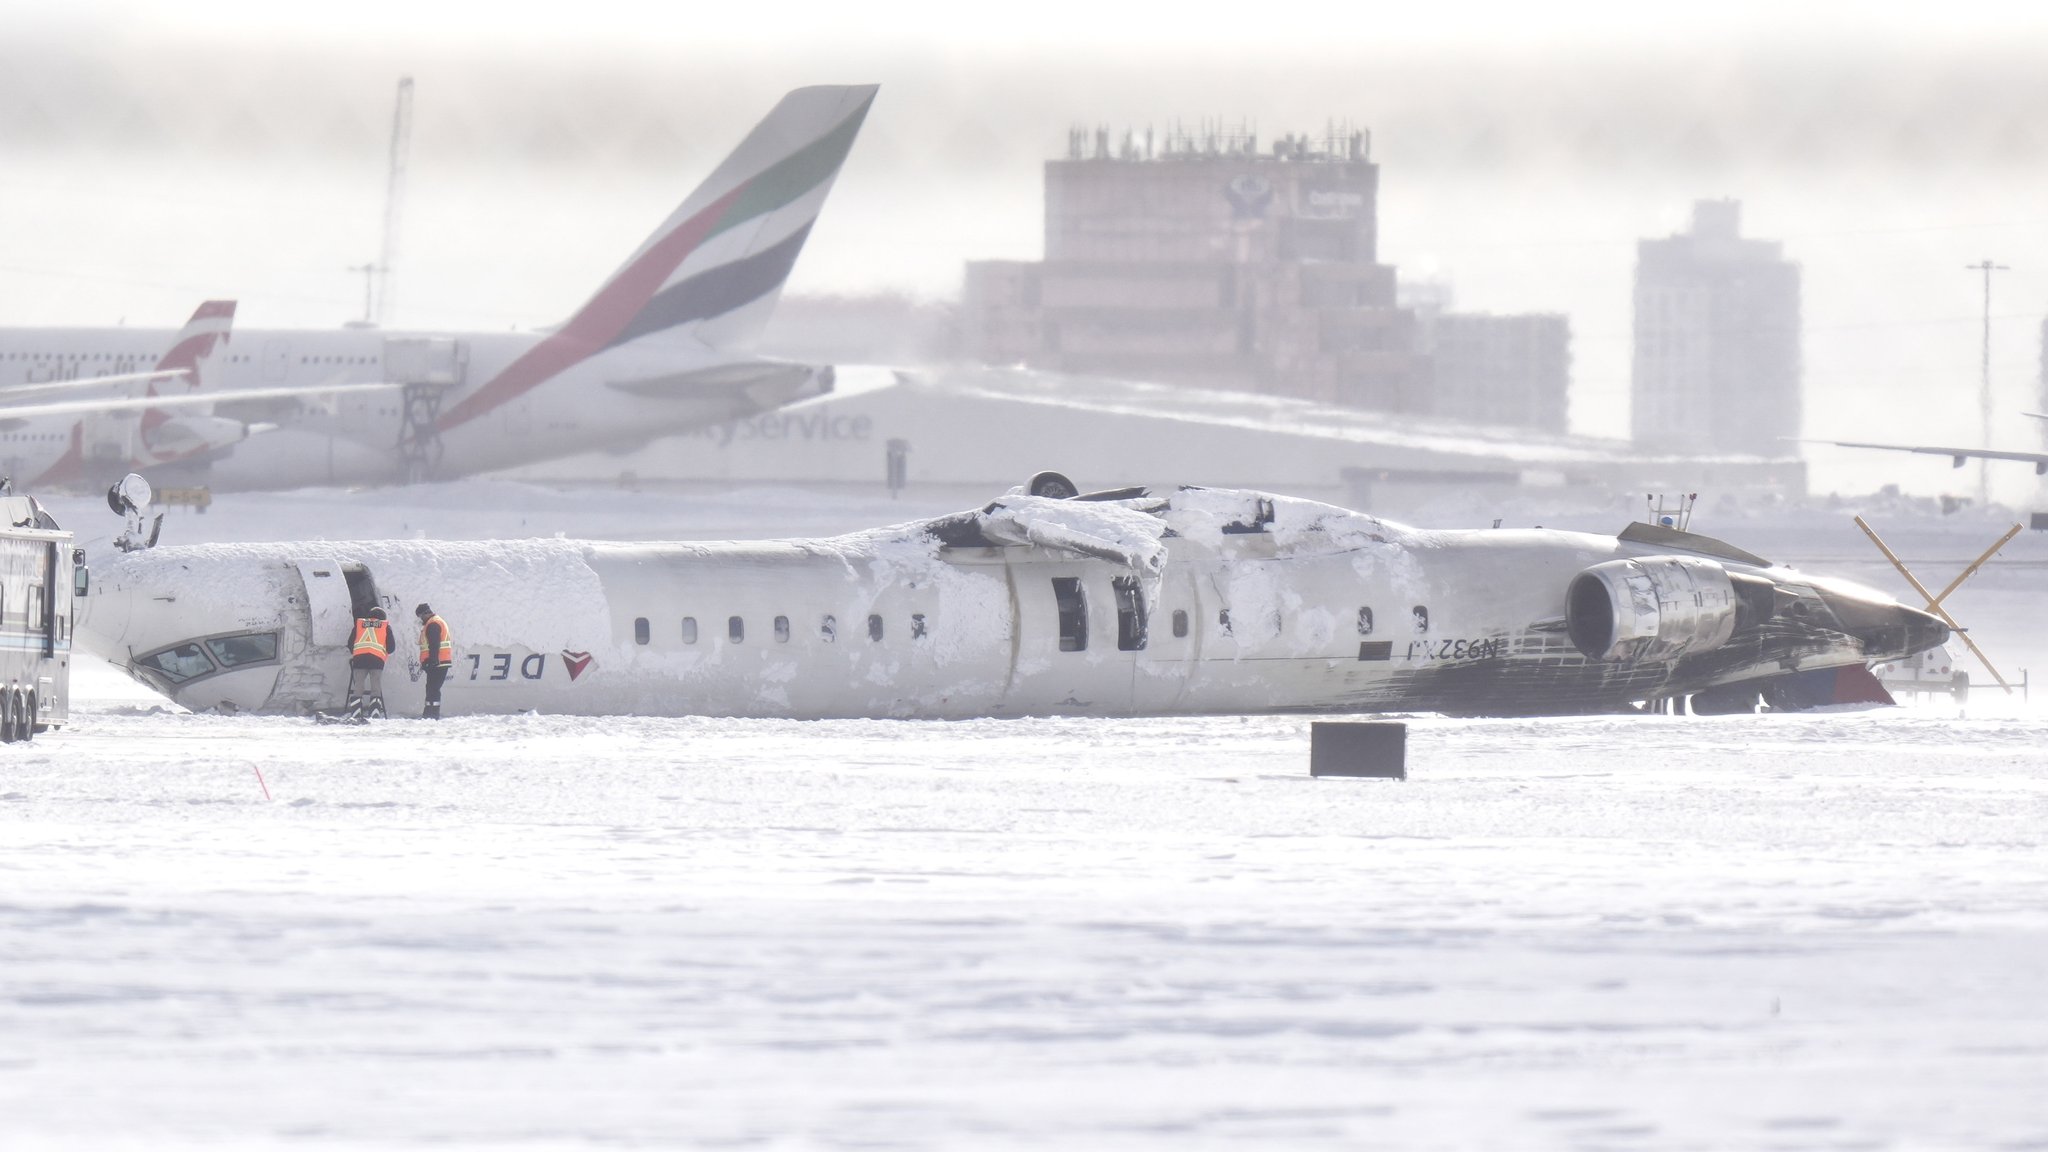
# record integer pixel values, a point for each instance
(159, 154)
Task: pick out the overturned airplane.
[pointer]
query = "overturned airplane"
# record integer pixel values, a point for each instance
(1131, 602)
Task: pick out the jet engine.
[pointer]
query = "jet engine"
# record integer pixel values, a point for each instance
(1652, 608)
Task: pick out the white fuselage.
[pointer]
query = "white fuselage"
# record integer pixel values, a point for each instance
(354, 438)
(1337, 612)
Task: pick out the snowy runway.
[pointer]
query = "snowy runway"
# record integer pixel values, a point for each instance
(1813, 932)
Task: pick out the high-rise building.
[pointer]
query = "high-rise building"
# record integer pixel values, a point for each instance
(1717, 360)
(1200, 259)
(1512, 370)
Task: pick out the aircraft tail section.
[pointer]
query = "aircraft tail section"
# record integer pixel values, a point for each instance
(723, 256)
(208, 328)
(210, 324)
(714, 269)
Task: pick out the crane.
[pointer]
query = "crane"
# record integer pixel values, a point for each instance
(394, 196)
(377, 274)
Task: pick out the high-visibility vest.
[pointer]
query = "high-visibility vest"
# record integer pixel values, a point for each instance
(373, 638)
(445, 652)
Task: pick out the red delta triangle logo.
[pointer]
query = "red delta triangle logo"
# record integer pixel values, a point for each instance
(576, 661)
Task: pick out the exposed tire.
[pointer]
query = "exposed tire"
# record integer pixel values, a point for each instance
(28, 717)
(10, 710)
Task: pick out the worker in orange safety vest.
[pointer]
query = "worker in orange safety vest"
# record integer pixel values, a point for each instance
(437, 654)
(369, 648)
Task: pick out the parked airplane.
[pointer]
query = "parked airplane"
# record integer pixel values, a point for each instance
(1960, 455)
(1132, 602)
(50, 442)
(657, 350)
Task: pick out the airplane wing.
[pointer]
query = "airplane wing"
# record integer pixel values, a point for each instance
(848, 381)
(142, 403)
(752, 384)
(1958, 455)
(84, 383)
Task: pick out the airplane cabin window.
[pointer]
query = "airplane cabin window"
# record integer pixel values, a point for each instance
(1223, 620)
(689, 629)
(875, 628)
(735, 629)
(640, 632)
(1180, 623)
(917, 626)
(828, 630)
(1365, 621)
(1421, 618)
(1073, 612)
(782, 629)
(1130, 614)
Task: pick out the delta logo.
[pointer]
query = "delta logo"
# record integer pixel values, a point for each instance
(576, 662)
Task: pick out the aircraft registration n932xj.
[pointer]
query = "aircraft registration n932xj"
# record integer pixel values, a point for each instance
(659, 349)
(1134, 602)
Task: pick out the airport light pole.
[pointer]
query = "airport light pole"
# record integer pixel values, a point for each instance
(1984, 380)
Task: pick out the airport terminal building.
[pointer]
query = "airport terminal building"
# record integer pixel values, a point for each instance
(962, 435)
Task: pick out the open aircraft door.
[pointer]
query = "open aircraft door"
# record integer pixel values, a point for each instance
(336, 593)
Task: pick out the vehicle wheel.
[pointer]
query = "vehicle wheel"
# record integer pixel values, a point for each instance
(8, 712)
(28, 717)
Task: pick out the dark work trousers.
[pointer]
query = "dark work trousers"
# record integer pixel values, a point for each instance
(437, 674)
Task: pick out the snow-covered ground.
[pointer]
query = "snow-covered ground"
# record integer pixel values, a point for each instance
(1822, 931)
(1788, 932)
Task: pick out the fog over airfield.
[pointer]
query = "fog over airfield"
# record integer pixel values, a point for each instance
(156, 156)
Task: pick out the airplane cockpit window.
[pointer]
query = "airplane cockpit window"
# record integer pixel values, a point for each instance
(179, 663)
(238, 651)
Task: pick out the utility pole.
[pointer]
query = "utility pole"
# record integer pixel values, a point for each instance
(370, 273)
(1984, 381)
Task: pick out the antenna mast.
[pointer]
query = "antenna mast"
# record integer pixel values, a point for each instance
(394, 196)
